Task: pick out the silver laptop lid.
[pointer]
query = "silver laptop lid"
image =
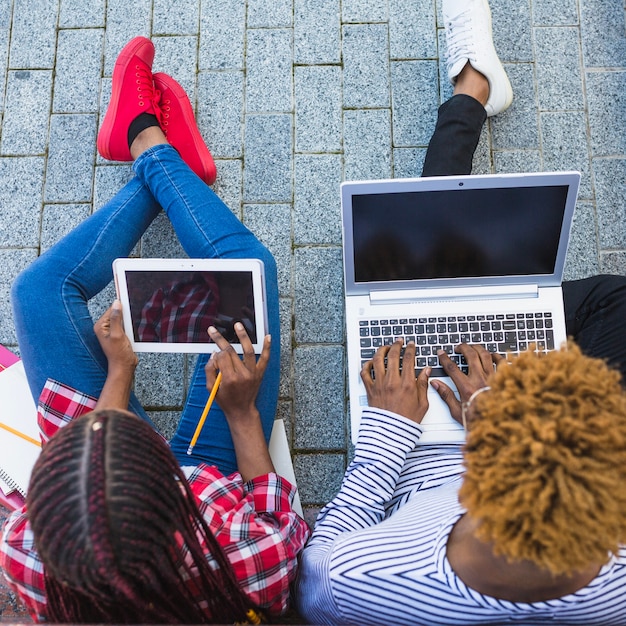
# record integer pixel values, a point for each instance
(461, 231)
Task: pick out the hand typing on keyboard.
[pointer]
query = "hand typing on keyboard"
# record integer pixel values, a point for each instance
(394, 389)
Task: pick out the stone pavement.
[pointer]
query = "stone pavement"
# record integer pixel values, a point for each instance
(292, 97)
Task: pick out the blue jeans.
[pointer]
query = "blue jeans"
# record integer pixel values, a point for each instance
(49, 298)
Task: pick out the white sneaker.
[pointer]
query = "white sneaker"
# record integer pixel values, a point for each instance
(468, 31)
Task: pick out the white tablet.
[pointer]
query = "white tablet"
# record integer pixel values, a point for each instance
(168, 304)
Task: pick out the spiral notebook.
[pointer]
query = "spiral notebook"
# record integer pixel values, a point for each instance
(19, 434)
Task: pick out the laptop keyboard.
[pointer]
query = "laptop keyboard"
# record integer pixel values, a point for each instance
(502, 333)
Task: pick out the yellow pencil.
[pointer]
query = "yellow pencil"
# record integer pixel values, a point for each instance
(207, 406)
(19, 434)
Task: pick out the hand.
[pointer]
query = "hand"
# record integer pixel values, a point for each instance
(109, 330)
(392, 390)
(481, 365)
(241, 378)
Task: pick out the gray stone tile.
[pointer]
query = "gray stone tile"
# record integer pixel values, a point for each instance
(5, 34)
(12, 262)
(610, 203)
(318, 99)
(269, 76)
(270, 13)
(268, 169)
(285, 389)
(81, 14)
(582, 253)
(108, 180)
(364, 11)
(222, 40)
(367, 141)
(271, 223)
(59, 219)
(317, 203)
(228, 185)
(33, 34)
(183, 19)
(512, 29)
(166, 422)
(606, 97)
(603, 37)
(517, 127)
(319, 476)
(365, 66)
(77, 76)
(177, 56)
(26, 117)
(408, 162)
(481, 164)
(20, 200)
(319, 295)
(124, 20)
(613, 262)
(319, 398)
(445, 86)
(412, 32)
(415, 99)
(564, 145)
(284, 411)
(70, 158)
(220, 111)
(159, 380)
(316, 32)
(160, 240)
(517, 161)
(559, 78)
(554, 12)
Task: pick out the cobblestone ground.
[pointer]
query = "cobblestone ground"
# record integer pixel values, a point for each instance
(294, 96)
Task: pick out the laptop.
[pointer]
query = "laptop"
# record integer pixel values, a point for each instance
(446, 260)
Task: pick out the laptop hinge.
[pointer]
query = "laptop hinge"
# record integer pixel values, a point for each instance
(454, 293)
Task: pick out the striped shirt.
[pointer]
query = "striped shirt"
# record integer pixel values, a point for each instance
(378, 552)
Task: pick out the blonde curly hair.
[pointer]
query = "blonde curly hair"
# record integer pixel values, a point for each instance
(546, 461)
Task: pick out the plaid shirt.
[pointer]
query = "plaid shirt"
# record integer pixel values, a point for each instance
(253, 521)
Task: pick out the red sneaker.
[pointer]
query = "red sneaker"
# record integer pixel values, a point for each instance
(179, 125)
(132, 93)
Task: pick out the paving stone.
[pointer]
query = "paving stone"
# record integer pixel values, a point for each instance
(364, 11)
(20, 201)
(285, 389)
(81, 14)
(271, 223)
(5, 33)
(319, 476)
(603, 37)
(517, 161)
(367, 141)
(564, 145)
(220, 111)
(554, 12)
(268, 147)
(582, 253)
(606, 96)
(317, 201)
(59, 219)
(559, 78)
(317, 32)
(481, 164)
(26, 117)
(183, 19)
(610, 202)
(319, 398)
(101, 301)
(108, 180)
(160, 240)
(269, 82)
(12, 262)
(408, 162)
(222, 32)
(365, 66)
(511, 24)
(229, 184)
(69, 171)
(414, 117)
(318, 113)
(270, 13)
(613, 262)
(177, 56)
(166, 422)
(319, 295)
(158, 380)
(33, 34)
(412, 32)
(77, 76)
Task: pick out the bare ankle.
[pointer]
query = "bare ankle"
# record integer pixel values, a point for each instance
(472, 83)
(147, 138)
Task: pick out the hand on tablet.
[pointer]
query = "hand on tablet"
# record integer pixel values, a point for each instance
(109, 330)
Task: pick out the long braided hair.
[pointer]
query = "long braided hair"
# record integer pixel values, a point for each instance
(117, 528)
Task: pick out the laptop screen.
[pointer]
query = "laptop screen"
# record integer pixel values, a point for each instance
(457, 233)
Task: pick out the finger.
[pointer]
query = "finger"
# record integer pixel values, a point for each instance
(485, 357)
(408, 360)
(249, 357)
(422, 384)
(498, 358)
(366, 374)
(378, 362)
(115, 318)
(210, 371)
(447, 395)
(261, 364)
(393, 357)
(219, 339)
(450, 367)
(471, 355)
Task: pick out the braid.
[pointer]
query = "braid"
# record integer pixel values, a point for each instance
(119, 532)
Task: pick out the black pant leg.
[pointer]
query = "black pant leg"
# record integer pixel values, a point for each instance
(595, 315)
(452, 146)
